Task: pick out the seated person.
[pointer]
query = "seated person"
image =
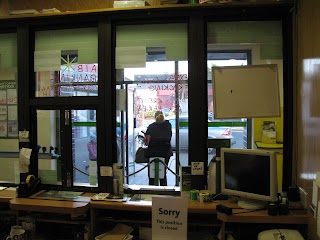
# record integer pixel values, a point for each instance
(160, 133)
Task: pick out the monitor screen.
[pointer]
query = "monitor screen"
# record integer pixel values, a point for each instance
(249, 174)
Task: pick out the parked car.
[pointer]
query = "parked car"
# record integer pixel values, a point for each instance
(213, 132)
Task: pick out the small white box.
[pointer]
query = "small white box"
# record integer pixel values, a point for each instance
(276, 234)
(128, 4)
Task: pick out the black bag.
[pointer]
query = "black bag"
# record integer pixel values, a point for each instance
(141, 155)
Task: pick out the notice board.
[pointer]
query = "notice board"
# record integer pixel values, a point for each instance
(246, 91)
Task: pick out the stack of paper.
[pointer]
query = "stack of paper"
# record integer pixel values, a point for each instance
(25, 11)
(109, 197)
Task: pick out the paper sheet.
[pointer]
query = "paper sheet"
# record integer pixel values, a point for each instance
(314, 193)
(24, 159)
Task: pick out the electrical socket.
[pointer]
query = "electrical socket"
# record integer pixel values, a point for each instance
(303, 197)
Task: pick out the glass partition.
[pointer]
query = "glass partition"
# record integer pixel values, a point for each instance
(83, 152)
(9, 144)
(84, 147)
(245, 43)
(152, 75)
(49, 147)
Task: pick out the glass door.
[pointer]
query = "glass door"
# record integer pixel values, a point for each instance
(148, 94)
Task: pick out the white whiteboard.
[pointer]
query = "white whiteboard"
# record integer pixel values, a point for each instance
(246, 91)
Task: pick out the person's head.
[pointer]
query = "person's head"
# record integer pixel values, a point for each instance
(159, 117)
(93, 137)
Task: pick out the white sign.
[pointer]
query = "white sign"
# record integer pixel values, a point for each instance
(47, 60)
(131, 57)
(169, 218)
(121, 98)
(197, 168)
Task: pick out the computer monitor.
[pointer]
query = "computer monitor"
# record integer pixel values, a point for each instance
(250, 175)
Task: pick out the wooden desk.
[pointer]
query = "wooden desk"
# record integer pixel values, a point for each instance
(46, 205)
(52, 210)
(35, 203)
(261, 216)
(193, 206)
(8, 217)
(203, 214)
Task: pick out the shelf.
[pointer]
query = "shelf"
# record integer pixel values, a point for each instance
(269, 145)
(73, 222)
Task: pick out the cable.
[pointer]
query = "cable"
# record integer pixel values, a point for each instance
(131, 174)
(80, 170)
(166, 166)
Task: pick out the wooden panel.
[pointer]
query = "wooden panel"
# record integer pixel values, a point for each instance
(67, 5)
(308, 110)
(4, 7)
(62, 5)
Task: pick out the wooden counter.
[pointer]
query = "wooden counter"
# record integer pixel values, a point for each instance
(35, 203)
(140, 212)
(247, 216)
(45, 205)
(7, 194)
(193, 206)
(300, 217)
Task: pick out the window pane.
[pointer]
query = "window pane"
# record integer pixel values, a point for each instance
(243, 43)
(152, 69)
(49, 146)
(9, 144)
(84, 147)
(66, 63)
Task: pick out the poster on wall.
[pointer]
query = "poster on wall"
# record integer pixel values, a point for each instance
(3, 97)
(12, 112)
(8, 109)
(12, 96)
(3, 113)
(3, 129)
(12, 128)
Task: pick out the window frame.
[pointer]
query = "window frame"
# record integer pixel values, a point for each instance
(105, 102)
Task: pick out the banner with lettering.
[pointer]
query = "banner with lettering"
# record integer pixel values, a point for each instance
(169, 218)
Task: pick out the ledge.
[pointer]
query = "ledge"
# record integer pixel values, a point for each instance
(215, 5)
